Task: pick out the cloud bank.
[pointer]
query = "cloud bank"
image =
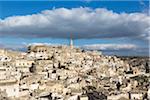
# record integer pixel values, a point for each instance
(110, 47)
(81, 23)
(123, 49)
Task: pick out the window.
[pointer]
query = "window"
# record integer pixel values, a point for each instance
(54, 71)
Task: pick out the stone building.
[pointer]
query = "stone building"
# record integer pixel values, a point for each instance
(10, 86)
(23, 65)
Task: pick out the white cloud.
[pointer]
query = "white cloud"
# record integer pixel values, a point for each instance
(110, 47)
(81, 22)
(47, 44)
(12, 46)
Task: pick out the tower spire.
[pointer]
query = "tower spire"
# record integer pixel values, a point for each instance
(71, 41)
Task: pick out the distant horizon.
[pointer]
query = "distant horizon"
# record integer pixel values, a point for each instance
(104, 52)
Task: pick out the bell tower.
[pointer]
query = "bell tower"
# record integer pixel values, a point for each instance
(71, 42)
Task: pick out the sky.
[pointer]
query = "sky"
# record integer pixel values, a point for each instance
(114, 27)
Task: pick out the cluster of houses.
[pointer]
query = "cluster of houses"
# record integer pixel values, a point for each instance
(68, 73)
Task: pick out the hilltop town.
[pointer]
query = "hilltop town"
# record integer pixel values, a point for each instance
(69, 73)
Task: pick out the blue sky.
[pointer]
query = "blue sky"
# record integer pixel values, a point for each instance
(19, 36)
(12, 8)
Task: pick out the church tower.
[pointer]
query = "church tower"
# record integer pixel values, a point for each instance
(71, 42)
